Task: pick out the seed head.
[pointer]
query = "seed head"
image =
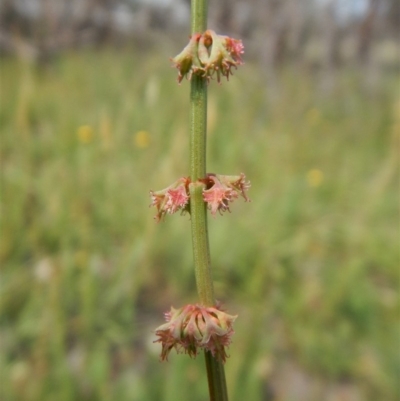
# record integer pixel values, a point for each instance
(171, 199)
(209, 54)
(196, 327)
(223, 189)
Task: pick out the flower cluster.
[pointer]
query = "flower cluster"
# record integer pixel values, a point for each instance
(222, 189)
(219, 191)
(171, 199)
(208, 54)
(195, 327)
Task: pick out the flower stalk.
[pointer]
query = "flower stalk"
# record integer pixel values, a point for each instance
(203, 326)
(198, 210)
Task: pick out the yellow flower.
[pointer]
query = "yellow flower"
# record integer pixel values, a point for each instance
(315, 177)
(141, 139)
(85, 134)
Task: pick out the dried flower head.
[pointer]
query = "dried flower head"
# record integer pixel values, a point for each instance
(196, 327)
(224, 53)
(209, 54)
(222, 189)
(187, 60)
(171, 199)
(218, 196)
(236, 182)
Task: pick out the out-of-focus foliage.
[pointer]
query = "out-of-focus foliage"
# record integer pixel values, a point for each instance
(329, 33)
(310, 265)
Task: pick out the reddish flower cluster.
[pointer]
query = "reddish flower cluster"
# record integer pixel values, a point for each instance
(222, 189)
(171, 199)
(209, 54)
(219, 191)
(195, 327)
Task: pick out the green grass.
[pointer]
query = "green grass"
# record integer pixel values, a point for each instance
(310, 265)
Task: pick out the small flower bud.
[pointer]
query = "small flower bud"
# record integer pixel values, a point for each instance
(195, 327)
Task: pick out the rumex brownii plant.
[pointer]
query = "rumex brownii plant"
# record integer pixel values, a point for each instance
(203, 326)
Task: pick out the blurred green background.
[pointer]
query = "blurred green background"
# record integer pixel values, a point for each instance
(311, 265)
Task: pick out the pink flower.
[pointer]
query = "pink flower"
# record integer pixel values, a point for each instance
(218, 196)
(196, 327)
(235, 48)
(222, 189)
(219, 191)
(171, 199)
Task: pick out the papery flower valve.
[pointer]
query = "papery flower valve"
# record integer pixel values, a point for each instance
(196, 327)
(223, 53)
(208, 54)
(171, 199)
(187, 61)
(223, 189)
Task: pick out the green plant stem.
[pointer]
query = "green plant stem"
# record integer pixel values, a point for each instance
(198, 136)
(201, 253)
(198, 211)
(198, 13)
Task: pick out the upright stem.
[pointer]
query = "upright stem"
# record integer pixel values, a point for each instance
(198, 136)
(201, 249)
(199, 16)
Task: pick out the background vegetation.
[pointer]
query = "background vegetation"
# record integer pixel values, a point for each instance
(310, 265)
